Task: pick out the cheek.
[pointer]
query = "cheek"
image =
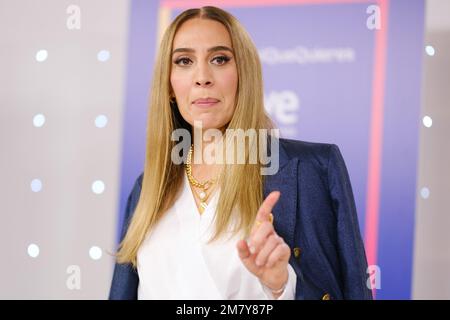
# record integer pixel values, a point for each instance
(229, 83)
(180, 85)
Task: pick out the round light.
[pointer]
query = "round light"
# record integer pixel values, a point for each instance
(101, 121)
(41, 55)
(427, 121)
(33, 250)
(430, 50)
(103, 55)
(39, 120)
(95, 253)
(98, 187)
(36, 185)
(425, 193)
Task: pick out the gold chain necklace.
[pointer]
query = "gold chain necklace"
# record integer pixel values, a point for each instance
(203, 195)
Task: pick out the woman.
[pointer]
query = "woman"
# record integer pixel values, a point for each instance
(220, 230)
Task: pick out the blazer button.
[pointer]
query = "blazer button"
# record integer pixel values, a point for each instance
(297, 252)
(326, 296)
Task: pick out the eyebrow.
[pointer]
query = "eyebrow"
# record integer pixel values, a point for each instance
(212, 49)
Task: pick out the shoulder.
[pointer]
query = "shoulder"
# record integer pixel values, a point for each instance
(315, 160)
(295, 147)
(305, 151)
(138, 183)
(133, 197)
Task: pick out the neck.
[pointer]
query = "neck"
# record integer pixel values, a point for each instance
(203, 163)
(206, 147)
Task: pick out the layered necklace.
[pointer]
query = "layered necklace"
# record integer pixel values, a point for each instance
(204, 186)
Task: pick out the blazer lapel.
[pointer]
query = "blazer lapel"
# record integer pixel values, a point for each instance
(285, 181)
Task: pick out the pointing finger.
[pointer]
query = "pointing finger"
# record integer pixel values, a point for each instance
(267, 206)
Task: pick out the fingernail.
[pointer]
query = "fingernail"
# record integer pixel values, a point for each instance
(252, 250)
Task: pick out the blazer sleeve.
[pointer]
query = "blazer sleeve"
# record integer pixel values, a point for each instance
(351, 253)
(125, 278)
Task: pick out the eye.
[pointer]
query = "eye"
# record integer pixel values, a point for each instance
(183, 61)
(221, 59)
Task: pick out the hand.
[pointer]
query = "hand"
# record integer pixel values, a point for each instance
(266, 255)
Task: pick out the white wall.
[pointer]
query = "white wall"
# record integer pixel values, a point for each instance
(431, 278)
(68, 153)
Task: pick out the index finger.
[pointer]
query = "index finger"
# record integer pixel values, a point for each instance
(267, 206)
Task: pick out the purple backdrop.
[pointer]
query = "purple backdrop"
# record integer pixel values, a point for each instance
(318, 64)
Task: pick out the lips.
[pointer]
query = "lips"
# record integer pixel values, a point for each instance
(205, 101)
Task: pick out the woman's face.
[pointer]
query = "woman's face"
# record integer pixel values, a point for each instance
(204, 75)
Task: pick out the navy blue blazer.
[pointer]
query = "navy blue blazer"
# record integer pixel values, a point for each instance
(315, 215)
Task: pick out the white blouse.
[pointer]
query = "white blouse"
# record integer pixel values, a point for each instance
(175, 261)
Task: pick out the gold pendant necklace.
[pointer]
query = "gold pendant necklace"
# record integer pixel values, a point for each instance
(203, 198)
(204, 186)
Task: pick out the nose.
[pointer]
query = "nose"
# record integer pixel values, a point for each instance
(203, 76)
(203, 83)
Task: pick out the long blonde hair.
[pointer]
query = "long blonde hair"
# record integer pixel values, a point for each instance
(241, 185)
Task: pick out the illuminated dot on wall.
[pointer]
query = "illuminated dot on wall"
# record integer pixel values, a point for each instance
(41, 55)
(103, 55)
(427, 121)
(36, 185)
(98, 187)
(101, 121)
(33, 250)
(430, 50)
(95, 253)
(38, 120)
(425, 192)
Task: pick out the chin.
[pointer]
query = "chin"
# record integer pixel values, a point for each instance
(208, 124)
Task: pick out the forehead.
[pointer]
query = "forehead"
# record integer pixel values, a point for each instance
(201, 33)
